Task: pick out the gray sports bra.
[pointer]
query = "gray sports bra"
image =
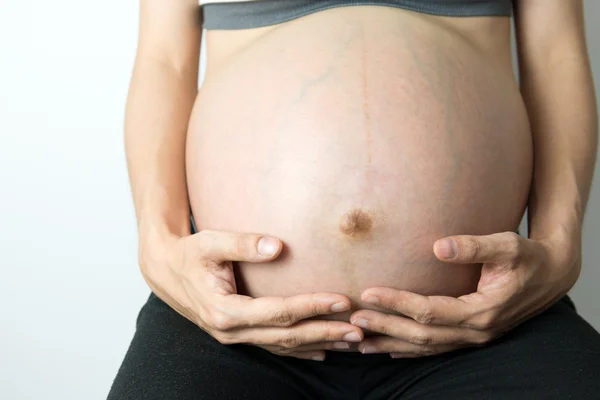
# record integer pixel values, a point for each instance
(252, 14)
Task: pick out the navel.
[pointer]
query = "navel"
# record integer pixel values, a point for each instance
(356, 222)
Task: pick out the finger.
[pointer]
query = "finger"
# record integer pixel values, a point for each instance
(307, 355)
(465, 249)
(386, 344)
(244, 311)
(333, 345)
(438, 310)
(302, 333)
(413, 332)
(219, 246)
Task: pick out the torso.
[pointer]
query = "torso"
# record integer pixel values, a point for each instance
(359, 136)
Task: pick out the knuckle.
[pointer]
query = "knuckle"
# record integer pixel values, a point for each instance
(316, 306)
(289, 340)
(329, 334)
(514, 244)
(426, 351)
(424, 315)
(420, 338)
(224, 338)
(221, 321)
(241, 245)
(316, 309)
(282, 317)
(381, 328)
(471, 248)
(484, 322)
(483, 338)
(284, 351)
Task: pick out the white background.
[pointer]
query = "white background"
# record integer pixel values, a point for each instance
(70, 288)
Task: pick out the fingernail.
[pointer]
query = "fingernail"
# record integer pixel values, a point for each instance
(371, 300)
(447, 248)
(341, 345)
(267, 246)
(368, 349)
(318, 358)
(340, 306)
(351, 337)
(360, 322)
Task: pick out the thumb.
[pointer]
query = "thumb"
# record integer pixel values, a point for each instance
(220, 246)
(464, 249)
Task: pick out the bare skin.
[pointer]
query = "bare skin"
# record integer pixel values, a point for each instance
(521, 277)
(382, 131)
(194, 273)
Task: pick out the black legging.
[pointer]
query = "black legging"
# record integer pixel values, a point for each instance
(555, 355)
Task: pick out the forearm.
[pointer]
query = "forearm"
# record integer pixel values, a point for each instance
(561, 105)
(158, 107)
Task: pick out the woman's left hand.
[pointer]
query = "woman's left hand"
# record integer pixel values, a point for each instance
(520, 278)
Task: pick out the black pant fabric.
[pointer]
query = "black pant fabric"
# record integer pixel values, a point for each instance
(555, 355)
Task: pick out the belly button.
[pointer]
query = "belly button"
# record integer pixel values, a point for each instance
(356, 223)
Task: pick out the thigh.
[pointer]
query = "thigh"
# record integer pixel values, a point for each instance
(555, 355)
(171, 358)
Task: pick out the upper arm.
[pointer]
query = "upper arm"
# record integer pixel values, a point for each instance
(170, 32)
(549, 31)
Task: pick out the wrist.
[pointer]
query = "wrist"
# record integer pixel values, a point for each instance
(165, 220)
(156, 234)
(560, 237)
(563, 249)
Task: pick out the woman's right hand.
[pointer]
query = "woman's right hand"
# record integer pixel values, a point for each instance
(194, 275)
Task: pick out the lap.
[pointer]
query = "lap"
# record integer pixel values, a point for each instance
(171, 358)
(554, 355)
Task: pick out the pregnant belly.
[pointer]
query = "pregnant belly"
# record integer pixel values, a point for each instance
(359, 149)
